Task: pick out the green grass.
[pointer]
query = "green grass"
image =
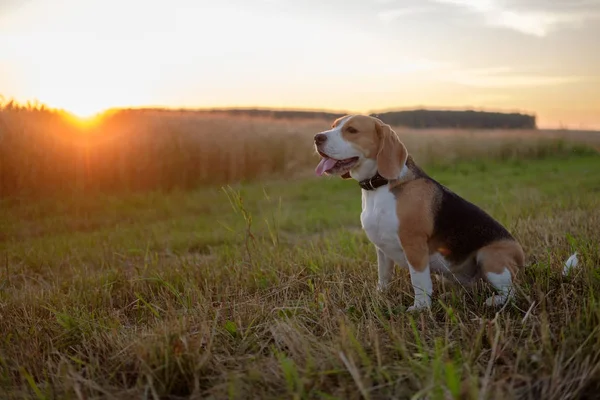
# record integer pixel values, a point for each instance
(267, 290)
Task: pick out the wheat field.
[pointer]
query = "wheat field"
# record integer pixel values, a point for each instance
(44, 152)
(181, 255)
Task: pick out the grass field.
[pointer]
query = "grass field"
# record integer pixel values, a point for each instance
(44, 152)
(267, 290)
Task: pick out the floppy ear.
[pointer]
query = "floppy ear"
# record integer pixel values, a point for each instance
(392, 153)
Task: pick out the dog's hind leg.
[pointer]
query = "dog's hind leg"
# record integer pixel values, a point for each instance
(500, 262)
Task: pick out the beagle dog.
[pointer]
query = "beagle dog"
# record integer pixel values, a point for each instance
(413, 220)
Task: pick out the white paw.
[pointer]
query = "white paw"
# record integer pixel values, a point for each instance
(571, 263)
(496, 300)
(382, 287)
(419, 306)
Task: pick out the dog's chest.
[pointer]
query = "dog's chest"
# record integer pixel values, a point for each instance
(380, 221)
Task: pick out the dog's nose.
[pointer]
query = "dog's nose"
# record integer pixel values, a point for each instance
(320, 138)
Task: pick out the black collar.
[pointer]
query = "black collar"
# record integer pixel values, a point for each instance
(373, 182)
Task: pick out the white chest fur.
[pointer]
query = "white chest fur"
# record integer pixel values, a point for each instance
(380, 222)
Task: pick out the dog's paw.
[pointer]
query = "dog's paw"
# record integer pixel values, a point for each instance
(419, 306)
(383, 287)
(496, 300)
(572, 262)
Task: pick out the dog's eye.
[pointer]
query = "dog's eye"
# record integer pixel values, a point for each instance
(352, 130)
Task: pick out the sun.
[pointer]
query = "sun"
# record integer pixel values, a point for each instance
(81, 92)
(81, 108)
(85, 115)
(86, 111)
(88, 89)
(85, 122)
(82, 102)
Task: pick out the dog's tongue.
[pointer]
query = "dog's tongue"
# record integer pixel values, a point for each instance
(325, 164)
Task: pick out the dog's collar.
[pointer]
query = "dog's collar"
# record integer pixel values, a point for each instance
(374, 182)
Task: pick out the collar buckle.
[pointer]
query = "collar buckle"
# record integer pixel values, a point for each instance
(373, 183)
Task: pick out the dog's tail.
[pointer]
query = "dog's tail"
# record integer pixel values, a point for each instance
(572, 262)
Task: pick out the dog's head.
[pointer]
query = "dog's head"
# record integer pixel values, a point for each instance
(358, 146)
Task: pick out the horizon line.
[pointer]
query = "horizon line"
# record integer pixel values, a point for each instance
(40, 104)
(36, 102)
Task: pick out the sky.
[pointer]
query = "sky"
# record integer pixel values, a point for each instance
(534, 56)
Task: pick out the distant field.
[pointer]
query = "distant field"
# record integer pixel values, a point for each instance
(42, 153)
(267, 290)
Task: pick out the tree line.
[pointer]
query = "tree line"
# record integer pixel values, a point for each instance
(419, 119)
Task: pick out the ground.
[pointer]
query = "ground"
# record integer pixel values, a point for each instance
(268, 290)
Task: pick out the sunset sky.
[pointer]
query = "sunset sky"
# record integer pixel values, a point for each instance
(539, 56)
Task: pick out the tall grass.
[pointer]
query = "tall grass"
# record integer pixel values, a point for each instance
(268, 291)
(46, 152)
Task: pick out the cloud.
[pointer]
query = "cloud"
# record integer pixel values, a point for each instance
(7, 5)
(505, 77)
(393, 14)
(561, 6)
(489, 98)
(530, 17)
(388, 66)
(416, 65)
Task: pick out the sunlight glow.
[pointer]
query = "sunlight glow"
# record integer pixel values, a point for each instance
(86, 112)
(93, 55)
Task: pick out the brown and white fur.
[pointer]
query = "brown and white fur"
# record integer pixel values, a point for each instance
(414, 221)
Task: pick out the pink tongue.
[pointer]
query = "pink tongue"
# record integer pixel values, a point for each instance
(325, 164)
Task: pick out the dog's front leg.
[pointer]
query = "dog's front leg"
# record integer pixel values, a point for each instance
(417, 256)
(422, 286)
(385, 268)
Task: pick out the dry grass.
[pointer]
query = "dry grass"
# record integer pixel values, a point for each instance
(180, 296)
(267, 289)
(44, 152)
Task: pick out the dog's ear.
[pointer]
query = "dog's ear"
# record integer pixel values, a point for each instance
(346, 176)
(337, 120)
(392, 153)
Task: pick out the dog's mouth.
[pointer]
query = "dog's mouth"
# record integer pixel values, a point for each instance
(331, 166)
